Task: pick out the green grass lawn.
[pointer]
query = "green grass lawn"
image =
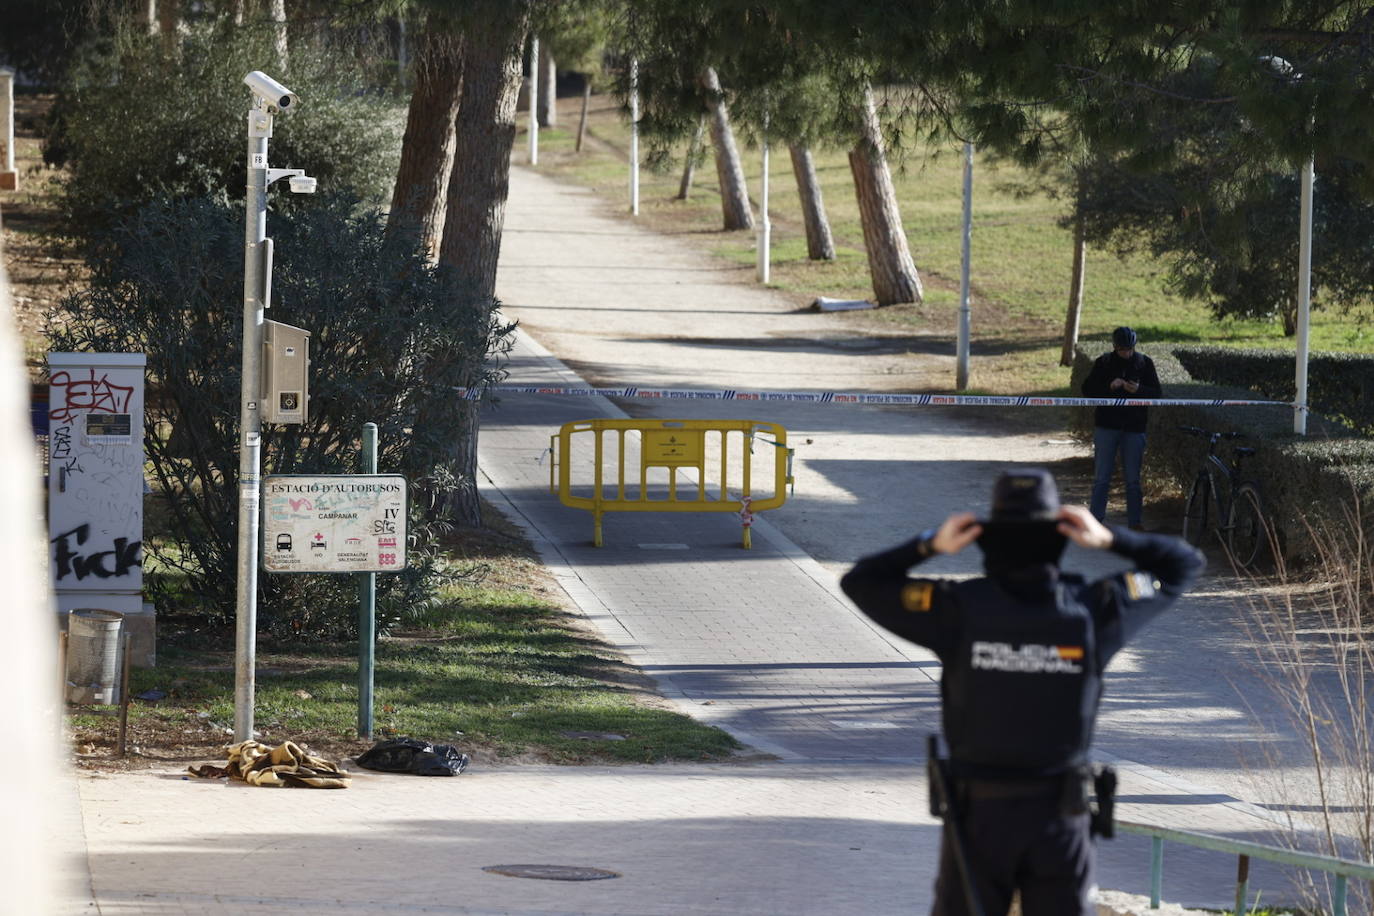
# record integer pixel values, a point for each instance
(496, 668)
(1020, 257)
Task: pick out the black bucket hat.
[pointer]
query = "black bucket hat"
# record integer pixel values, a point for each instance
(1024, 496)
(1124, 338)
(1023, 527)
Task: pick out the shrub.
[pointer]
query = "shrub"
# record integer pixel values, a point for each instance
(133, 124)
(391, 338)
(1339, 385)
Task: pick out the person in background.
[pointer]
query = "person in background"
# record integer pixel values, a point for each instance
(1122, 373)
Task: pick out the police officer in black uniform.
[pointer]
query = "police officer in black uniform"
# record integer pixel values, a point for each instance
(1023, 650)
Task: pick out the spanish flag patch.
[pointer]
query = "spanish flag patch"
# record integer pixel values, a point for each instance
(1140, 586)
(916, 596)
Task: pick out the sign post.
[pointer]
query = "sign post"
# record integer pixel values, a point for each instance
(367, 609)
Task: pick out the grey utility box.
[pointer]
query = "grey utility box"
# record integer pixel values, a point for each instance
(285, 373)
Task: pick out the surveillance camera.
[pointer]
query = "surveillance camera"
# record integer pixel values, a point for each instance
(270, 91)
(302, 184)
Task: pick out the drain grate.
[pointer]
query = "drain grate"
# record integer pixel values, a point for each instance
(552, 872)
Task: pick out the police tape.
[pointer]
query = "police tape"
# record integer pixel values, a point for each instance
(842, 397)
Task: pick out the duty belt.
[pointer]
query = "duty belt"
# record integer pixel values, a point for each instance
(990, 789)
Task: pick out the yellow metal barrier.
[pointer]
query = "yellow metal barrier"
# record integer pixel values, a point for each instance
(668, 447)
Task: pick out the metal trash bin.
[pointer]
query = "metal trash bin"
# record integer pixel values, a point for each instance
(93, 656)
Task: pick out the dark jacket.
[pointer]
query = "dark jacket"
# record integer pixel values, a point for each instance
(1022, 667)
(1139, 368)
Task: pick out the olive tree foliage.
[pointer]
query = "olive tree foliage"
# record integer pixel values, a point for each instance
(391, 338)
(1010, 74)
(1223, 216)
(1236, 247)
(576, 34)
(787, 89)
(133, 124)
(807, 99)
(1281, 81)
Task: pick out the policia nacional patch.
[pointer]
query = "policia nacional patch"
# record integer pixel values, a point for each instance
(916, 596)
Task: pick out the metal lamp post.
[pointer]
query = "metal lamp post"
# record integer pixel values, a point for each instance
(634, 136)
(962, 344)
(765, 242)
(1308, 178)
(269, 98)
(533, 97)
(1304, 297)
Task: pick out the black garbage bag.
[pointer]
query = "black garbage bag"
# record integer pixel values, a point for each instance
(409, 755)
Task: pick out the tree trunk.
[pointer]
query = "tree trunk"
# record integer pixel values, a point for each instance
(889, 259)
(689, 168)
(582, 121)
(419, 198)
(477, 190)
(147, 13)
(819, 244)
(236, 11)
(1080, 246)
(734, 195)
(548, 88)
(169, 25)
(279, 33)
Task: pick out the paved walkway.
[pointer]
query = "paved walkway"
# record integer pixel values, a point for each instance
(758, 642)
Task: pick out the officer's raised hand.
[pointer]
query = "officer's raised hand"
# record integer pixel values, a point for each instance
(1078, 525)
(958, 531)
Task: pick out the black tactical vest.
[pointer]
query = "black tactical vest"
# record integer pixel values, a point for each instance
(1021, 688)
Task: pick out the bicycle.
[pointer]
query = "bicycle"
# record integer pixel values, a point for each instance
(1245, 533)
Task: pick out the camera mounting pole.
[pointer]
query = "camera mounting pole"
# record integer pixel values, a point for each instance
(257, 254)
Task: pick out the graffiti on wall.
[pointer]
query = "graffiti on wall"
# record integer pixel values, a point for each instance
(87, 395)
(95, 477)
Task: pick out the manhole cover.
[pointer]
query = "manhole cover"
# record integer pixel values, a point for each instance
(553, 872)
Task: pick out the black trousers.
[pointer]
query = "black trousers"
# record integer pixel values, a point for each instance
(1024, 844)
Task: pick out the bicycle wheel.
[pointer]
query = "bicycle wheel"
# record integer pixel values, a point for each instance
(1247, 533)
(1196, 511)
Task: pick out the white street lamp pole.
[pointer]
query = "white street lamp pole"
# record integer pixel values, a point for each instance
(961, 371)
(634, 136)
(765, 243)
(533, 97)
(1308, 175)
(1304, 298)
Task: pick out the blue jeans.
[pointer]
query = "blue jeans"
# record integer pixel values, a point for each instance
(1106, 444)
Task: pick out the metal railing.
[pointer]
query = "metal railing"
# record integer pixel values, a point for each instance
(1342, 869)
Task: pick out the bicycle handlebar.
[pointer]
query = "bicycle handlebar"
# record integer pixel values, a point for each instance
(1207, 434)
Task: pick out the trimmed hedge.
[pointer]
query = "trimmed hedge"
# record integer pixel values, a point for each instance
(1339, 385)
(1311, 479)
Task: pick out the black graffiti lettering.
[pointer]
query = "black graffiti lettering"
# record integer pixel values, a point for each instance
(61, 442)
(104, 564)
